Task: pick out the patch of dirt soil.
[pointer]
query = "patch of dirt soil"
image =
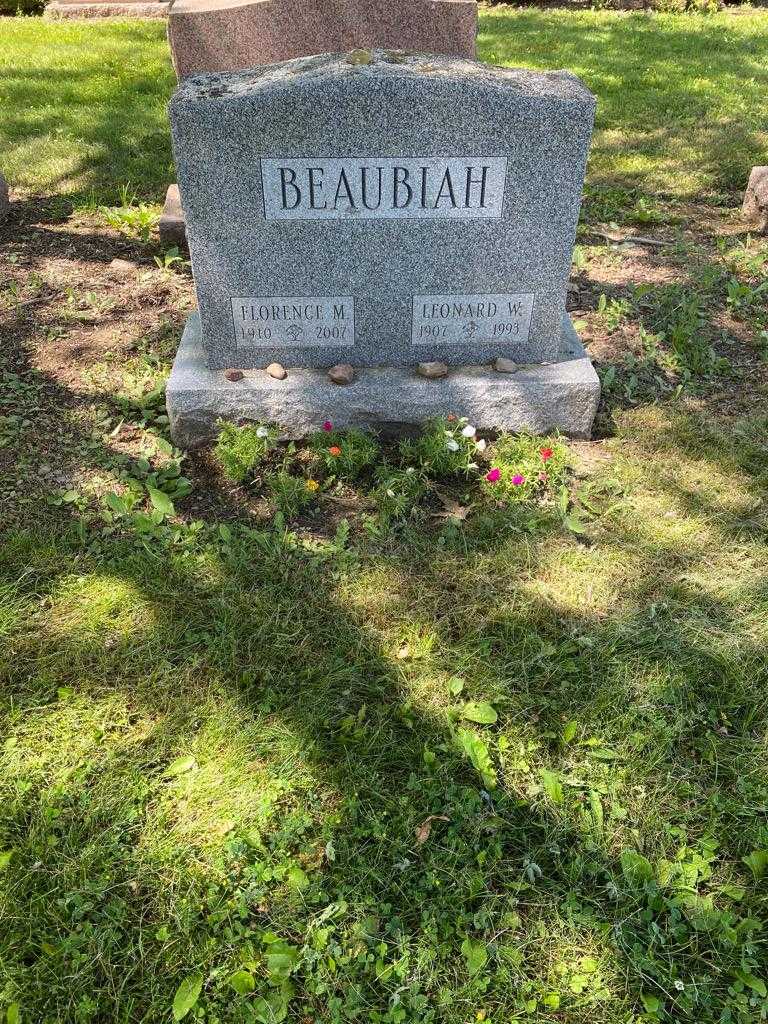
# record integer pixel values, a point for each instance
(88, 315)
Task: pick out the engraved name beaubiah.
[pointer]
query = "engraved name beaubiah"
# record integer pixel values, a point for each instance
(449, 319)
(264, 321)
(371, 188)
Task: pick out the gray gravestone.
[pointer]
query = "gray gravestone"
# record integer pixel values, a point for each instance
(413, 208)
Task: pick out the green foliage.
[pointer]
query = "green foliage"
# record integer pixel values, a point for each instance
(529, 468)
(344, 453)
(146, 500)
(606, 204)
(647, 211)
(678, 315)
(479, 711)
(612, 312)
(171, 259)
(744, 298)
(239, 450)
(187, 995)
(748, 257)
(131, 217)
(476, 955)
(397, 492)
(290, 494)
(446, 447)
(477, 751)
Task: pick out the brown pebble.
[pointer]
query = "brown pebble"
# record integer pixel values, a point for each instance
(504, 365)
(234, 374)
(342, 373)
(432, 371)
(277, 370)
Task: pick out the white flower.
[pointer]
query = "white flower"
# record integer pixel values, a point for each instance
(261, 432)
(481, 445)
(468, 431)
(452, 446)
(410, 470)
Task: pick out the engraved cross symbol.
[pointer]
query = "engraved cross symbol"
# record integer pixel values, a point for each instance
(294, 331)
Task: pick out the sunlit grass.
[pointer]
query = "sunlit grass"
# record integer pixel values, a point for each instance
(212, 738)
(83, 105)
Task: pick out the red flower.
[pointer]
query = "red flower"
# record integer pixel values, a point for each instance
(327, 426)
(450, 417)
(335, 450)
(546, 453)
(493, 475)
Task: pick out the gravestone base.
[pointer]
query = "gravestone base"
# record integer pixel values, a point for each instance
(540, 398)
(107, 9)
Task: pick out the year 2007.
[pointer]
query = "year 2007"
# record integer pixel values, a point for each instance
(338, 333)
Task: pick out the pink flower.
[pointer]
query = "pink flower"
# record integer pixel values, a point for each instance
(517, 479)
(327, 426)
(546, 453)
(493, 475)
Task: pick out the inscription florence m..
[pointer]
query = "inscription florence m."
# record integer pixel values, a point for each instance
(371, 188)
(262, 321)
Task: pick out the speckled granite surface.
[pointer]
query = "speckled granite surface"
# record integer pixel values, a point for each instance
(230, 35)
(477, 172)
(541, 398)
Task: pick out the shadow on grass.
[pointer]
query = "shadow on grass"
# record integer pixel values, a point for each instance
(668, 90)
(319, 750)
(679, 98)
(84, 108)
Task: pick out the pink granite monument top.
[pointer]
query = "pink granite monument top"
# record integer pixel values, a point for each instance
(232, 35)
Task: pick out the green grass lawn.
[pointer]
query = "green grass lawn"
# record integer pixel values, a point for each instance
(501, 759)
(681, 98)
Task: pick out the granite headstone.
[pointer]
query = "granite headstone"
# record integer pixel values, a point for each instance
(389, 213)
(384, 212)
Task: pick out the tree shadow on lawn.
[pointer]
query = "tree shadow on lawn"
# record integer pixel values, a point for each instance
(658, 86)
(118, 130)
(663, 91)
(277, 666)
(278, 670)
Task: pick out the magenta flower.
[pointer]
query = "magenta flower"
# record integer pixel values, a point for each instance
(328, 426)
(493, 475)
(517, 479)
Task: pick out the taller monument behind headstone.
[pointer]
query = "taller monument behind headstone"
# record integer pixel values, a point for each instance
(383, 214)
(232, 35)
